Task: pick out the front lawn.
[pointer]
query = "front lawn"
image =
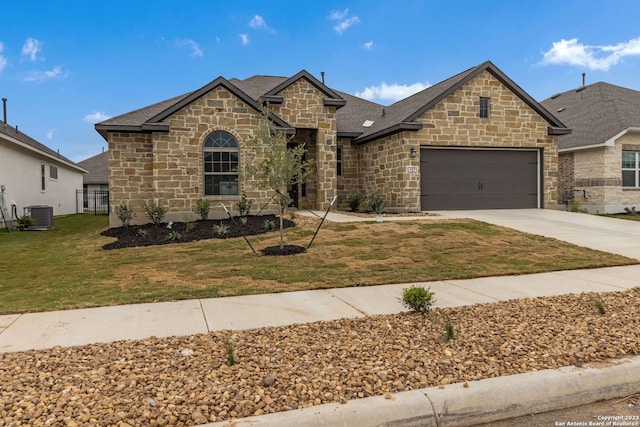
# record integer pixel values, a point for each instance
(66, 267)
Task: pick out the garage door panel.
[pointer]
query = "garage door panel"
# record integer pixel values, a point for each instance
(478, 179)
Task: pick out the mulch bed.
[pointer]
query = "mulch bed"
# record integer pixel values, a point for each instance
(177, 232)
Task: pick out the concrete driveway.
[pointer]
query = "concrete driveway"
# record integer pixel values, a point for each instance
(617, 236)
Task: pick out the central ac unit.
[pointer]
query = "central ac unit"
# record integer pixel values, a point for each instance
(41, 215)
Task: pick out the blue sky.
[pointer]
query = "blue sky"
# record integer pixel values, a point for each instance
(68, 64)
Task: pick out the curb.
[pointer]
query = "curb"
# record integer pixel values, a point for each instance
(481, 401)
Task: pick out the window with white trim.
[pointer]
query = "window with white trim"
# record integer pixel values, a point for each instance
(53, 172)
(221, 160)
(631, 169)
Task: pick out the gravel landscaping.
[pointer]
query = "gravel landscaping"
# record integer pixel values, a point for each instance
(190, 380)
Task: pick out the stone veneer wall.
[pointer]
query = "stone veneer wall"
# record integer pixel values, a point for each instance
(383, 166)
(167, 167)
(303, 108)
(386, 164)
(598, 171)
(348, 182)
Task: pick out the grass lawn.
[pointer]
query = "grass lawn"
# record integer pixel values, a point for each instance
(66, 267)
(624, 216)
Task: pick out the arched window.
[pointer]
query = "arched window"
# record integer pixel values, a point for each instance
(220, 154)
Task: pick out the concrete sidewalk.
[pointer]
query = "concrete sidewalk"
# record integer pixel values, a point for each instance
(106, 324)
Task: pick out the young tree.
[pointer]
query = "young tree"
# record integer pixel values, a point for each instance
(278, 166)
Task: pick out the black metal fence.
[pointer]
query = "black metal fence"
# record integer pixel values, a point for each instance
(92, 201)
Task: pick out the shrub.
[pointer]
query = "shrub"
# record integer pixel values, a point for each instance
(244, 205)
(25, 222)
(174, 235)
(354, 201)
(269, 224)
(125, 214)
(375, 201)
(154, 211)
(221, 229)
(202, 208)
(417, 298)
(230, 349)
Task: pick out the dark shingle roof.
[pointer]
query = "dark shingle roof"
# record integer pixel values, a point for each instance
(352, 111)
(98, 168)
(13, 132)
(596, 113)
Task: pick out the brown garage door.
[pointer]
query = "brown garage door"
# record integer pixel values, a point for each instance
(478, 179)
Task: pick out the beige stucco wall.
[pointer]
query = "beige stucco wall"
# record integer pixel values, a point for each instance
(20, 172)
(454, 122)
(167, 167)
(598, 171)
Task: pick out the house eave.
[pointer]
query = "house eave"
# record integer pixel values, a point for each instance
(402, 126)
(611, 142)
(42, 153)
(349, 135)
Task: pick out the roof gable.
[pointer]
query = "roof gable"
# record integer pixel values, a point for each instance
(332, 98)
(402, 115)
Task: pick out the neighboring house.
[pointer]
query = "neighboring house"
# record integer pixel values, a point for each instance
(600, 161)
(473, 141)
(95, 188)
(35, 175)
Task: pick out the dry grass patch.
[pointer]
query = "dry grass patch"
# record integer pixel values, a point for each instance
(67, 268)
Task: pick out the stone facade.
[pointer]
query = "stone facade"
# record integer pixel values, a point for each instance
(597, 180)
(167, 167)
(454, 122)
(164, 161)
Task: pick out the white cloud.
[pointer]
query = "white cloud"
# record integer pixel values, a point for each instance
(393, 92)
(338, 15)
(345, 21)
(368, 45)
(245, 39)
(571, 52)
(96, 117)
(3, 60)
(195, 48)
(31, 48)
(258, 23)
(39, 76)
(50, 134)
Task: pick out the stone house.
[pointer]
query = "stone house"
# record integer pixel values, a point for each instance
(599, 161)
(473, 141)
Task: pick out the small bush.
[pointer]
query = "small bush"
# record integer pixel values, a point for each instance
(354, 201)
(375, 201)
(417, 298)
(221, 229)
(125, 214)
(24, 222)
(154, 211)
(631, 211)
(269, 225)
(244, 205)
(174, 236)
(142, 232)
(202, 208)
